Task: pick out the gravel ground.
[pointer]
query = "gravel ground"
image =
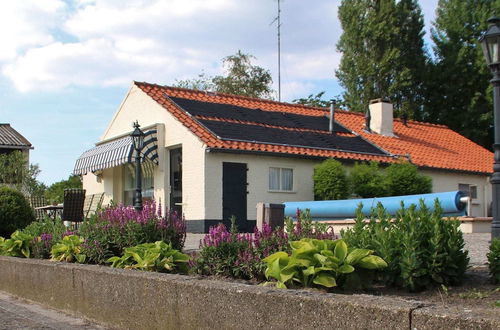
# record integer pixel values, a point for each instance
(477, 244)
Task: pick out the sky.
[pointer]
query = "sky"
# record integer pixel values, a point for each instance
(65, 66)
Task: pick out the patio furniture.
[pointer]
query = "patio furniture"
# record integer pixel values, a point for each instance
(35, 203)
(92, 204)
(52, 211)
(73, 205)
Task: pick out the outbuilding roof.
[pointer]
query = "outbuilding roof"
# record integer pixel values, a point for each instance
(235, 123)
(11, 139)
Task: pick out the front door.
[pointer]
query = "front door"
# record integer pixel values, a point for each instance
(234, 193)
(176, 180)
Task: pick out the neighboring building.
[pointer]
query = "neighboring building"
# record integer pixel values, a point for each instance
(216, 155)
(11, 140)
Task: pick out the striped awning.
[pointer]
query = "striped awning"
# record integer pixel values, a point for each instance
(116, 153)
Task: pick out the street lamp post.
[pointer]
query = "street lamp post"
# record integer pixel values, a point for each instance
(138, 143)
(490, 43)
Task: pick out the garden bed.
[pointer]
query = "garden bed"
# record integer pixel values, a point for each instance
(135, 299)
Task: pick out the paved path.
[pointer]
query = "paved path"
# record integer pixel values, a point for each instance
(20, 314)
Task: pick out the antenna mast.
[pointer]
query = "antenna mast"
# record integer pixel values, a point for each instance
(278, 18)
(279, 51)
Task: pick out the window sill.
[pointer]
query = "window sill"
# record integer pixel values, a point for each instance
(282, 191)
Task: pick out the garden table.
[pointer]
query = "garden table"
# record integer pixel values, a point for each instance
(51, 210)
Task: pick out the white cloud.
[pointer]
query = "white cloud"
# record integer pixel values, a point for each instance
(26, 24)
(112, 42)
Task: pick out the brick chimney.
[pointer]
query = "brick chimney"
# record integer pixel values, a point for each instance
(381, 117)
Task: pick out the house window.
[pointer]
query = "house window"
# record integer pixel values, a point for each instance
(468, 189)
(129, 183)
(280, 179)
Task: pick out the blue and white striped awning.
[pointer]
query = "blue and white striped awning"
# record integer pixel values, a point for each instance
(116, 153)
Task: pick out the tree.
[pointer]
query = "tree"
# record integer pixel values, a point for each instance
(330, 181)
(15, 172)
(55, 193)
(242, 78)
(317, 101)
(459, 94)
(382, 54)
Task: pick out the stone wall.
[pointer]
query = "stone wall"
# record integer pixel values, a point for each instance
(141, 300)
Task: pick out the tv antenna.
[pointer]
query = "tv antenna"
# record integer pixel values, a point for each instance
(278, 19)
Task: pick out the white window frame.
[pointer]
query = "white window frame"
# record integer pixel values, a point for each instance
(280, 183)
(469, 187)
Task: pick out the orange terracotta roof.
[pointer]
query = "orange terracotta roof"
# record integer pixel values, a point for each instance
(425, 145)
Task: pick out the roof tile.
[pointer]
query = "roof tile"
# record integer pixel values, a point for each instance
(424, 144)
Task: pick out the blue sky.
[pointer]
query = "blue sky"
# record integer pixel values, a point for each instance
(65, 66)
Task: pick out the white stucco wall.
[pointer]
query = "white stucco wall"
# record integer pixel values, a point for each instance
(448, 181)
(139, 106)
(258, 181)
(202, 171)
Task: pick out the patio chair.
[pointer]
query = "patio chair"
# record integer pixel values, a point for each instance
(73, 205)
(92, 204)
(38, 201)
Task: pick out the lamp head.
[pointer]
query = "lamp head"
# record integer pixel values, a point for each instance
(490, 42)
(137, 137)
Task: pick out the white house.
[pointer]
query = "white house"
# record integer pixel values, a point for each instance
(212, 156)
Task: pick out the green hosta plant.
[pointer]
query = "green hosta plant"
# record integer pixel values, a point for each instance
(158, 256)
(68, 249)
(18, 245)
(324, 263)
(2, 251)
(494, 260)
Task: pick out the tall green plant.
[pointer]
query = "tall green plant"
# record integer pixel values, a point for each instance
(421, 248)
(494, 260)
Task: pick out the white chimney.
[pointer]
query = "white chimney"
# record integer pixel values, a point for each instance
(381, 117)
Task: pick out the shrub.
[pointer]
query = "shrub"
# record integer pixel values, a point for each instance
(367, 180)
(68, 250)
(158, 257)
(46, 233)
(324, 263)
(494, 260)
(15, 211)
(330, 181)
(421, 249)
(112, 230)
(404, 179)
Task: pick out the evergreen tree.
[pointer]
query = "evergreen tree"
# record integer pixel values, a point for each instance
(382, 53)
(459, 94)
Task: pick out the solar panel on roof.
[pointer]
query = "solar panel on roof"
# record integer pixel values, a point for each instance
(256, 133)
(283, 119)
